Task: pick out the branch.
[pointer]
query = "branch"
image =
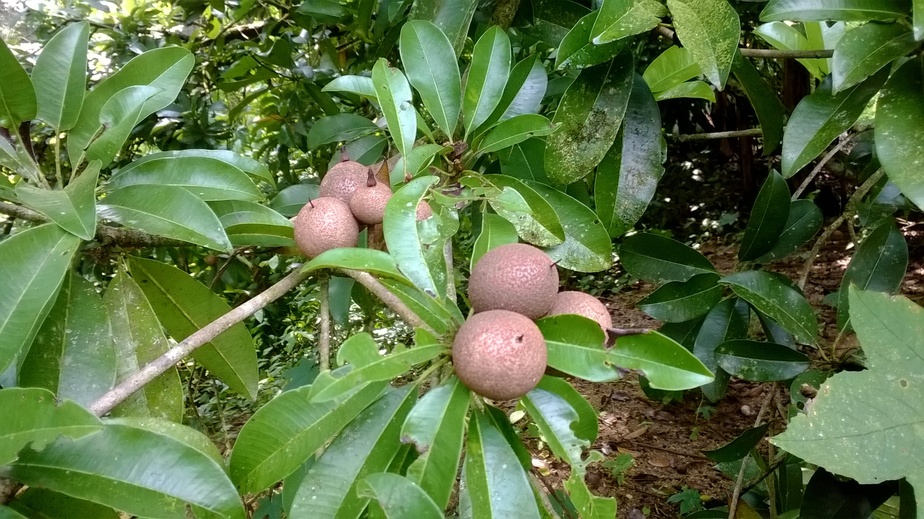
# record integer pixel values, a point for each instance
(821, 164)
(733, 134)
(324, 333)
(391, 301)
(763, 53)
(158, 366)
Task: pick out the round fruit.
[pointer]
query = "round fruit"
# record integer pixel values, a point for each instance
(325, 223)
(369, 200)
(342, 180)
(424, 211)
(515, 277)
(499, 354)
(571, 302)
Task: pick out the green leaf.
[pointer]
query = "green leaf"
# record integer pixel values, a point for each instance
(359, 85)
(169, 211)
(845, 10)
(60, 76)
(73, 208)
(578, 51)
(533, 216)
(690, 89)
(525, 161)
(17, 95)
(73, 355)
(439, 317)
(760, 361)
(657, 259)
(339, 128)
(666, 363)
(820, 117)
(670, 69)
(164, 68)
(804, 221)
(286, 431)
(514, 131)
(587, 504)
(452, 17)
(524, 92)
(174, 432)
(768, 218)
(588, 118)
(8, 513)
(183, 306)
(554, 416)
(431, 67)
(495, 231)
(722, 323)
(622, 18)
(740, 447)
(252, 224)
(369, 260)
(586, 425)
(899, 123)
(680, 301)
(710, 29)
(290, 200)
(139, 340)
(494, 482)
(774, 296)
(878, 265)
(628, 176)
(34, 416)
(210, 175)
(863, 51)
(403, 238)
(784, 36)
(366, 446)
(587, 246)
(129, 477)
(399, 497)
(397, 103)
(436, 427)
(416, 162)
(486, 78)
(38, 502)
(766, 103)
(34, 262)
(575, 347)
(121, 113)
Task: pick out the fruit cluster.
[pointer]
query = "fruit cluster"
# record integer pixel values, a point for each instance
(499, 351)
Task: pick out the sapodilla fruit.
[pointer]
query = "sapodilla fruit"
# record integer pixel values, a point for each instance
(573, 302)
(515, 277)
(342, 180)
(369, 200)
(499, 354)
(325, 223)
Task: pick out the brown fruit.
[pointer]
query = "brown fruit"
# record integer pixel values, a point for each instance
(342, 180)
(499, 354)
(369, 200)
(424, 211)
(325, 223)
(516, 277)
(571, 302)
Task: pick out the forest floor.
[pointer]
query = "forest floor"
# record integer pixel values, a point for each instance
(666, 441)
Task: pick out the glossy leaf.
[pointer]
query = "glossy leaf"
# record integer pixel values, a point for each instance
(665, 363)
(774, 296)
(587, 246)
(436, 427)
(183, 306)
(760, 361)
(578, 51)
(35, 416)
(210, 175)
(553, 416)
(587, 504)
(722, 323)
(740, 447)
(495, 484)
(35, 262)
(368, 260)
(431, 67)
(819, 118)
(680, 301)
(786, 37)
(129, 477)
(60, 76)
(17, 95)
(339, 128)
(399, 497)
(710, 29)
(552, 19)
(138, 340)
(588, 118)
(690, 89)
(629, 173)
(290, 200)
(533, 216)
(118, 116)
(396, 100)
(575, 347)
(415, 163)
(670, 69)
(486, 78)
(770, 110)
(804, 221)
(523, 93)
(514, 131)
(73, 208)
(168, 211)
(899, 123)
(8, 513)
(253, 224)
(525, 161)
(586, 425)
(38, 502)
(622, 18)
(845, 10)
(174, 432)
(402, 236)
(863, 51)
(359, 85)
(366, 446)
(164, 69)
(73, 355)
(439, 317)
(768, 218)
(658, 259)
(452, 17)
(495, 231)
(878, 265)
(282, 434)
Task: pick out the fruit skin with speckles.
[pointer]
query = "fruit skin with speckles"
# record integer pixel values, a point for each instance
(325, 223)
(515, 277)
(499, 354)
(424, 211)
(342, 180)
(369, 201)
(586, 305)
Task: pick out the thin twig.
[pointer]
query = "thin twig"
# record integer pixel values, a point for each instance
(824, 160)
(739, 482)
(710, 136)
(160, 365)
(58, 174)
(324, 335)
(391, 301)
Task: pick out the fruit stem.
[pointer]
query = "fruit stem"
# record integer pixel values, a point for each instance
(370, 180)
(344, 156)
